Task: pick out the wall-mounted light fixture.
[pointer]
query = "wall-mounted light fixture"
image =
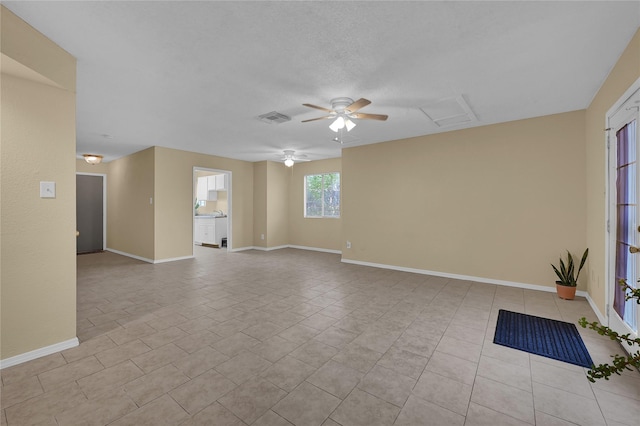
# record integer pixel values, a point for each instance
(92, 158)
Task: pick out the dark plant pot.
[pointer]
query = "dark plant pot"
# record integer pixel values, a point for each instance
(565, 292)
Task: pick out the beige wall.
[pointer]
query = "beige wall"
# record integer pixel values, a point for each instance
(37, 247)
(270, 204)
(164, 230)
(42, 59)
(621, 77)
(278, 176)
(222, 203)
(497, 202)
(84, 167)
(318, 233)
(260, 204)
(174, 202)
(130, 215)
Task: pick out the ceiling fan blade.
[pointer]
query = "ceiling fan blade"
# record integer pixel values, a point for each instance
(380, 117)
(318, 107)
(360, 103)
(319, 118)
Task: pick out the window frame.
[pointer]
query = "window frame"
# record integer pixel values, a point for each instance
(304, 198)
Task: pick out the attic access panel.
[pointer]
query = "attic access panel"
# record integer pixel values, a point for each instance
(448, 112)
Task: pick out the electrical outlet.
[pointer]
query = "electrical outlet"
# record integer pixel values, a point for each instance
(348, 244)
(262, 236)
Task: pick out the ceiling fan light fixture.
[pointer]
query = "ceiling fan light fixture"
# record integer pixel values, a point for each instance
(92, 158)
(343, 111)
(337, 124)
(288, 162)
(349, 124)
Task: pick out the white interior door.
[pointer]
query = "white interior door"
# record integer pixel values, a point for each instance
(624, 214)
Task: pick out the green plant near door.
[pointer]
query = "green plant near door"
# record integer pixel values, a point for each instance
(619, 362)
(567, 274)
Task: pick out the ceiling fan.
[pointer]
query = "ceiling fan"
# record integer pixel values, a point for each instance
(290, 158)
(343, 110)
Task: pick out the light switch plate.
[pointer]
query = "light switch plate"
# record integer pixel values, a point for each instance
(47, 190)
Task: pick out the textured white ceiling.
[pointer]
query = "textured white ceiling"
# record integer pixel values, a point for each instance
(195, 75)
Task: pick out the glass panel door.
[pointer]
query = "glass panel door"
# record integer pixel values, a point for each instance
(624, 215)
(626, 221)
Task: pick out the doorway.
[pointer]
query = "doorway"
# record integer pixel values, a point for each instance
(212, 196)
(90, 212)
(624, 213)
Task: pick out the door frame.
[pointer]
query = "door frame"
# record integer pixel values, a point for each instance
(104, 204)
(194, 183)
(611, 189)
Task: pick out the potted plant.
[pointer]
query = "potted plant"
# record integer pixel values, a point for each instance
(568, 276)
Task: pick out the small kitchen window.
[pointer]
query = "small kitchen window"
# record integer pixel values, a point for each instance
(322, 195)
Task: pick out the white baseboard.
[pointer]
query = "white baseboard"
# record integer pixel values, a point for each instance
(234, 249)
(256, 248)
(133, 256)
(144, 259)
(39, 353)
(461, 277)
(261, 248)
(601, 318)
(284, 247)
(173, 259)
(273, 248)
(316, 249)
(250, 248)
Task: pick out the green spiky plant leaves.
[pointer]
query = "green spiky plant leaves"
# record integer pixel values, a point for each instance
(567, 273)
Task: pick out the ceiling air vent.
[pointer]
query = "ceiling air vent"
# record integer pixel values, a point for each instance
(449, 112)
(274, 117)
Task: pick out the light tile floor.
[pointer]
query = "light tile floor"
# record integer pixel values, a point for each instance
(297, 337)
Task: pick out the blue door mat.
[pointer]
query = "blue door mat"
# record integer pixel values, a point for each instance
(542, 336)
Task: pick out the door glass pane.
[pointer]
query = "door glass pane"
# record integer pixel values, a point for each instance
(626, 220)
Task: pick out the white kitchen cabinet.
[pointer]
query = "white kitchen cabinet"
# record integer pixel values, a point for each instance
(202, 188)
(211, 182)
(210, 230)
(221, 182)
(205, 230)
(198, 231)
(206, 188)
(221, 230)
